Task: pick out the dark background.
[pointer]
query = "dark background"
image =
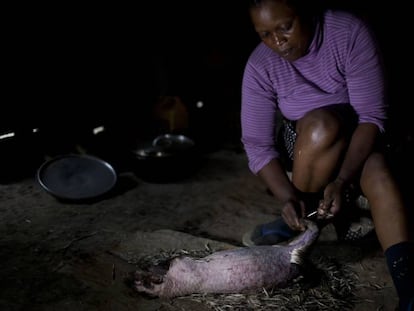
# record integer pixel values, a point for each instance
(74, 63)
(70, 67)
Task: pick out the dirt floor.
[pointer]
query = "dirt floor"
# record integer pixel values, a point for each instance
(60, 255)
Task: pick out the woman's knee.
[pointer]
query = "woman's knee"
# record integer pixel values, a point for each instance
(320, 128)
(376, 176)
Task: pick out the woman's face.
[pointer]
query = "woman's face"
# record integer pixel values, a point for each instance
(281, 29)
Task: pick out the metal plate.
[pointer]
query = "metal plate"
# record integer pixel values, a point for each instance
(76, 177)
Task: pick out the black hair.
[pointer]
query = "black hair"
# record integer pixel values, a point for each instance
(303, 8)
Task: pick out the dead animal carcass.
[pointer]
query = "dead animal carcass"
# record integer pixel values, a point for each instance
(239, 270)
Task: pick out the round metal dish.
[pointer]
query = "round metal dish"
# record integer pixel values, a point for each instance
(76, 177)
(173, 142)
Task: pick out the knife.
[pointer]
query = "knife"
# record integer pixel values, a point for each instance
(315, 214)
(311, 214)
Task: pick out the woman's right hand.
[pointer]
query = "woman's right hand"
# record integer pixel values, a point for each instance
(292, 212)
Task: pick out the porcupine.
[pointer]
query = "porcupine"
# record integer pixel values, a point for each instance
(239, 270)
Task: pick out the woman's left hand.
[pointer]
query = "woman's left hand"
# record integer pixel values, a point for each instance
(332, 200)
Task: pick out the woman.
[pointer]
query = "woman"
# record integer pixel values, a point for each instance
(322, 72)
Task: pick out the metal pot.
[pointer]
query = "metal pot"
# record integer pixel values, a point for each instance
(168, 158)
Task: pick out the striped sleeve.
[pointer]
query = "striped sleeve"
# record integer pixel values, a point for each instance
(258, 117)
(364, 77)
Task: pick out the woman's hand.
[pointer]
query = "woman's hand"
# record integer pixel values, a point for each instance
(292, 212)
(332, 200)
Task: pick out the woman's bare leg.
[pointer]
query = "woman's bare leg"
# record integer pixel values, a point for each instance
(386, 202)
(318, 149)
(392, 226)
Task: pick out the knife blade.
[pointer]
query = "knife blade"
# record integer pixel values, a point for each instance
(312, 214)
(317, 215)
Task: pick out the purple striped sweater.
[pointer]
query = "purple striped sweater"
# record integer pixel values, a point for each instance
(343, 65)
